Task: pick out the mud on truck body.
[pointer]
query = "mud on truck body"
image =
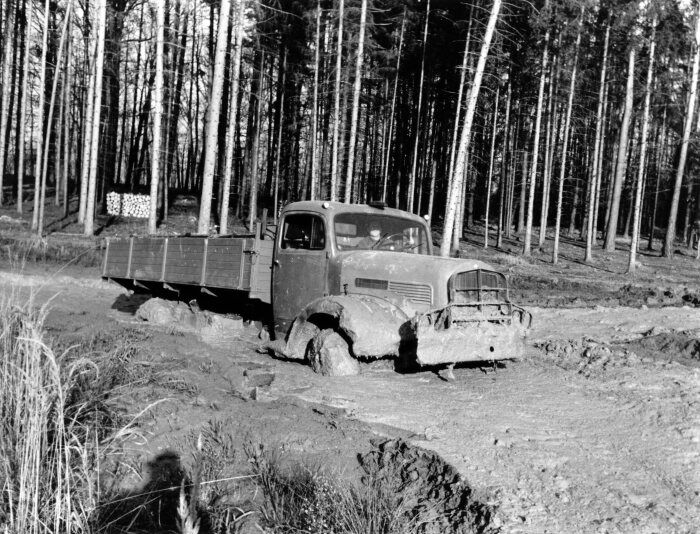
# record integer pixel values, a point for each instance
(332, 291)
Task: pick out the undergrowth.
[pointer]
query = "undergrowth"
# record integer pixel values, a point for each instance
(39, 250)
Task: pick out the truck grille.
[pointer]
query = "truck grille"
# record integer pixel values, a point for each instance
(478, 286)
(422, 293)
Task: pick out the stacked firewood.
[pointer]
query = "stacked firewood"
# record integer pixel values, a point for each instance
(128, 204)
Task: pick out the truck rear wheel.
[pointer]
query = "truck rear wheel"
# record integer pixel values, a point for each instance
(329, 355)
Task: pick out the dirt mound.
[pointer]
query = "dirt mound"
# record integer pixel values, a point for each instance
(429, 490)
(682, 347)
(589, 357)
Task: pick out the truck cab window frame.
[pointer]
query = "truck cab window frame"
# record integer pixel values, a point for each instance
(303, 231)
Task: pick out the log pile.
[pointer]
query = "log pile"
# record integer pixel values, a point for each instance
(128, 204)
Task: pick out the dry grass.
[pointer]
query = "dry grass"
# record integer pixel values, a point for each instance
(56, 425)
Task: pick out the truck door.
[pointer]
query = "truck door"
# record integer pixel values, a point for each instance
(299, 267)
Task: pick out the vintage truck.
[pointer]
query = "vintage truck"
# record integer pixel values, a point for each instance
(342, 282)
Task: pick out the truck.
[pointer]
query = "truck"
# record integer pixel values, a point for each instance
(343, 283)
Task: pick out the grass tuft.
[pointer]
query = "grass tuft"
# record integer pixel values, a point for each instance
(57, 426)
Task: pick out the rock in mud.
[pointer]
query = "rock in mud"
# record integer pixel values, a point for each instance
(329, 355)
(162, 312)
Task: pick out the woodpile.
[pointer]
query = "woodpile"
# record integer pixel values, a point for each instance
(128, 204)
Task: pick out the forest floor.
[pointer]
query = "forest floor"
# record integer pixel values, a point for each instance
(597, 429)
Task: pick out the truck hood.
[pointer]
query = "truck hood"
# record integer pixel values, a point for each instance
(420, 278)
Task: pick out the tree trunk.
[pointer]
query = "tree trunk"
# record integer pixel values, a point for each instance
(611, 231)
(157, 113)
(314, 112)
(23, 107)
(536, 148)
(631, 267)
(40, 119)
(213, 120)
(387, 156)
(453, 195)
(6, 89)
(565, 147)
(412, 180)
(491, 157)
(95, 137)
(594, 188)
(233, 119)
(49, 129)
(356, 104)
(336, 114)
(673, 214)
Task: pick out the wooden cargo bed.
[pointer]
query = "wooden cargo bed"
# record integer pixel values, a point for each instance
(235, 263)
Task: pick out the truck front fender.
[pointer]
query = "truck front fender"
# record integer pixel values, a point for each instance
(372, 325)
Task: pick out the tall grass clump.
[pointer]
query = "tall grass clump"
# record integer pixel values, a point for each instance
(55, 428)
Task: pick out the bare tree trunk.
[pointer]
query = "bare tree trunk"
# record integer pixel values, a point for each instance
(456, 186)
(673, 214)
(595, 177)
(49, 122)
(387, 156)
(253, 198)
(23, 107)
(213, 119)
(491, 157)
(314, 112)
(356, 104)
(536, 148)
(157, 113)
(336, 114)
(6, 92)
(95, 137)
(67, 88)
(550, 139)
(412, 180)
(565, 147)
(40, 119)
(504, 169)
(233, 119)
(87, 144)
(631, 267)
(611, 231)
(276, 186)
(660, 159)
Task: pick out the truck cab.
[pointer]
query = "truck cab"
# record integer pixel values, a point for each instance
(315, 238)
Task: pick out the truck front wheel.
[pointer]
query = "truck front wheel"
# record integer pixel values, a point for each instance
(329, 355)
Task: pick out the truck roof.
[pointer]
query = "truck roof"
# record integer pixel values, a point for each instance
(322, 206)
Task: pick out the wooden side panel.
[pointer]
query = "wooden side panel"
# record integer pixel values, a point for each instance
(117, 259)
(261, 285)
(224, 258)
(184, 260)
(147, 259)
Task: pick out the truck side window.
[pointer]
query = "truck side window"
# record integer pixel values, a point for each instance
(303, 231)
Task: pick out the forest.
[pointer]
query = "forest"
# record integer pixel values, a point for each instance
(540, 119)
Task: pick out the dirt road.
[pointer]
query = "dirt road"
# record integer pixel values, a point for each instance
(585, 435)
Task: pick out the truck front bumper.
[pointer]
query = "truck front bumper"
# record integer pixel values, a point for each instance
(469, 333)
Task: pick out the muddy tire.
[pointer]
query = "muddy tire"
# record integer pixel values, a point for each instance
(329, 355)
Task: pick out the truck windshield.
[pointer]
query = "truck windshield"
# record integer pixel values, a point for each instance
(367, 231)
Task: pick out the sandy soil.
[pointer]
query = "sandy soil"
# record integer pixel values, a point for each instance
(596, 430)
